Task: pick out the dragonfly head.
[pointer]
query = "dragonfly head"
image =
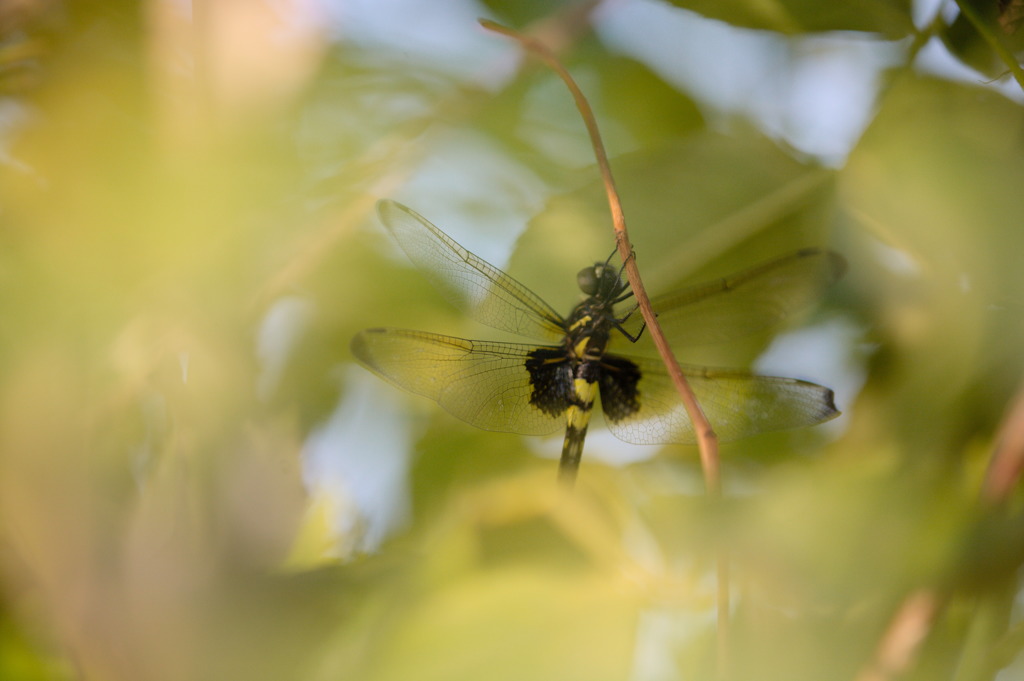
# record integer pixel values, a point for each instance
(600, 281)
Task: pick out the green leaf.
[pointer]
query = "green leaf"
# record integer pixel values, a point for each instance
(731, 200)
(890, 18)
(935, 186)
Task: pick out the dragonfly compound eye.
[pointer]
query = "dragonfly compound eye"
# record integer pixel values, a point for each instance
(588, 280)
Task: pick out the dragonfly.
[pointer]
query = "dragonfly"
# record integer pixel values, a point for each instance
(536, 389)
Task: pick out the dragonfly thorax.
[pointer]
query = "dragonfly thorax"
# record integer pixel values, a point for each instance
(588, 329)
(600, 281)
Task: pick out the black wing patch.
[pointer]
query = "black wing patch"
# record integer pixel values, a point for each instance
(485, 384)
(644, 407)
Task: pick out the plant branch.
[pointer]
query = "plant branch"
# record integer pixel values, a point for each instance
(706, 438)
(1007, 464)
(916, 615)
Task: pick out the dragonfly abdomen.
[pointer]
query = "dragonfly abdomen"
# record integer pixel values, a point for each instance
(562, 384)
(577, 418)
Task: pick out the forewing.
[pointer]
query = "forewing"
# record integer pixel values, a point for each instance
(485, 384)
(749, 301)
(738, 404)
(488, 294)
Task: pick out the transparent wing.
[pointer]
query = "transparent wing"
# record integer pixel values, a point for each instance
(737, 403)
(485, 384)
(749, 301)
(488, 294)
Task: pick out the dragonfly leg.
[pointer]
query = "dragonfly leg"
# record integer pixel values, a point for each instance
(618, 324)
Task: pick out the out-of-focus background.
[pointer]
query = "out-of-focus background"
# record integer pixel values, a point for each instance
(197, 482)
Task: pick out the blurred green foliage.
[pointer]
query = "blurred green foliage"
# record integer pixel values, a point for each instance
(888, 18)
(167, 181)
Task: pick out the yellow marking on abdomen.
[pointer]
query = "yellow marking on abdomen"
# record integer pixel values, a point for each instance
(578, 415)
(582, 321)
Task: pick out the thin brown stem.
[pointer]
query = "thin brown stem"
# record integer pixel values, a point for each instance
(1007, 464)
(707, 441)
(907, 630)
(916, 615)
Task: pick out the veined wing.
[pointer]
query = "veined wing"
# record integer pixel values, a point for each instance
(641, 404)
(490, 296)
(749, 301)
(485, 384)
